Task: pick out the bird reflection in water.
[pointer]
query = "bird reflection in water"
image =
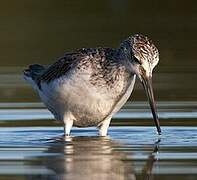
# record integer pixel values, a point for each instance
(98, 158)
(148, 168)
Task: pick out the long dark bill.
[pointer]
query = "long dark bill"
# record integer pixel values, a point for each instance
(147, 83)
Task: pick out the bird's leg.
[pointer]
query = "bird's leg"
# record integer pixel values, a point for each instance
(67, 126)
(103, 127)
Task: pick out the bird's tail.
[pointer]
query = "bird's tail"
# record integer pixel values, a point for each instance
(32, 73)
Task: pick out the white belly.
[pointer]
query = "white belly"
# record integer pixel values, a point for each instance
(82, 101)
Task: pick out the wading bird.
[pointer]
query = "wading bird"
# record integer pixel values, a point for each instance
(87, 87)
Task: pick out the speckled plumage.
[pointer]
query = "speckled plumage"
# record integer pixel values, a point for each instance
(88, 86)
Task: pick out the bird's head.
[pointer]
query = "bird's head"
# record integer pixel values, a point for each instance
(143, 56)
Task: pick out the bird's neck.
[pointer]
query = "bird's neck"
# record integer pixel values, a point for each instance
(125, 49)
(125, 56)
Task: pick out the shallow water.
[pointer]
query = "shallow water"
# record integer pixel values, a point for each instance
(129, 153)
(31, 143)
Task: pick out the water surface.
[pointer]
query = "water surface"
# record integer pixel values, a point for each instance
(129, 153)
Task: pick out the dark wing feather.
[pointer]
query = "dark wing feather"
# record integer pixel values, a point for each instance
(82, 58)
(59, 68)
(34, 71)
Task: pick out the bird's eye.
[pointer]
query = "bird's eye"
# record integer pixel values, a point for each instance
(136, 60)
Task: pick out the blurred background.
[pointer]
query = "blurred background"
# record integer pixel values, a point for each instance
(33, 31)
